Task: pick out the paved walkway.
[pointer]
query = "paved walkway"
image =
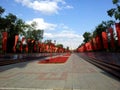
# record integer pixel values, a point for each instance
(75, 74)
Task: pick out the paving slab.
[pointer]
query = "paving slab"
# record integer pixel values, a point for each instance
(75, 74)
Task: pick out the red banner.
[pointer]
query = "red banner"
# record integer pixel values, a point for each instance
(23, 39)
(28, 40)
(16, 40)
(105, 40)
(117, 25)
(35, 48)
(94, 44)
(84, 48)
(98, 42)
(111, 37)
(88, 46)
(32, 41)
(47, 47)
(26, 48)
(4, 41)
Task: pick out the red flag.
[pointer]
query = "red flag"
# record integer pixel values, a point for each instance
(47, 47)
(56, 49)
(4, 41)
(26, 49)
(105, 40)
(84, 48)
(98, 44)
(28, 40)
(23, 39)
(94, 44)
(91, 44)
(38, 46)
(16, 40)
(111, 37)
(32, 41)
(88, 46)
(35, 48)
(42, 47)
(117, 25)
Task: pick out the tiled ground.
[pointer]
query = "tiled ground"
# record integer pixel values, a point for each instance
(75, 74)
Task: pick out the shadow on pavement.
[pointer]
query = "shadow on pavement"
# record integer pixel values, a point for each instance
(21, 63)
(111, 76)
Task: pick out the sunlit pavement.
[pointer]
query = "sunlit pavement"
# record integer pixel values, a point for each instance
(75, 74)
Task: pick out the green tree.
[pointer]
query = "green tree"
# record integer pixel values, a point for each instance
(103, 27)
(33, 33)
(1, 11)
(60, 45)
(67, 48)
(108, 23)
(37, 34)
(115, 11)
(2, 20)
(87, 36)
(99, 29)
(48, 41)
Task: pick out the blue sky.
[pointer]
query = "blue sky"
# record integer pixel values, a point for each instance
(62, 20)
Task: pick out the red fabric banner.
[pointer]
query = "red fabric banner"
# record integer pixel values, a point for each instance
(16, 40)
(28, 40)
(26, 48)
(38, 47)
(98, 44)
(23, 39)
(47, 47)
(88, 46)
(117, 25)
(91, 44)
(4, 41)
(32, 41)
(35, 48)
(105, 40)
(111, 37)
(84, 48)
(94, 44)
(43, 47)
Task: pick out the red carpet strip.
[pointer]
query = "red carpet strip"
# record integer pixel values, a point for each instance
(59, 59)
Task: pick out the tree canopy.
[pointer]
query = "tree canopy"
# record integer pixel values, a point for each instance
(115, 12)
(87, 36)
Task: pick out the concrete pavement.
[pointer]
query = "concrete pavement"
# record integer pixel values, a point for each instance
(75, 74)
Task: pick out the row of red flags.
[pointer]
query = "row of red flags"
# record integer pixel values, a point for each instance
(39, 47)
(98, 44)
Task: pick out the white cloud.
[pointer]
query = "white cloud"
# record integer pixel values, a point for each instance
(69, 7)
(45, 6)
(48, 35)
(67, 34)
(67, 38)
(41, 24)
